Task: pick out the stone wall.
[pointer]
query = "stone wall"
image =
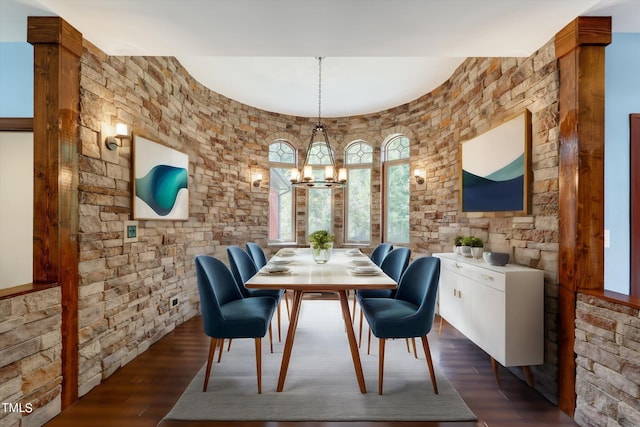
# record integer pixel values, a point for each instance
(30, 357)
(608, 363)
(125, 287)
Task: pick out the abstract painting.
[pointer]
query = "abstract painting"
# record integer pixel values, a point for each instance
(160, 184)
(495, 168)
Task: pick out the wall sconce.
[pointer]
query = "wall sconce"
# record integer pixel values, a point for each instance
(419, 176)
(257, 179)
(122, 132)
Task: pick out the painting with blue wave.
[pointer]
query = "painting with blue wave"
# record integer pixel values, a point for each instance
(499, 191)
(494, 168)
(161, 185)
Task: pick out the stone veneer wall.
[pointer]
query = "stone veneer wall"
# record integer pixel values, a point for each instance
(125, 287)
(30, 357)
(608, 363)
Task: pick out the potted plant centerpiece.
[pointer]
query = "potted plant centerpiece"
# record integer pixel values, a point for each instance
(457, 244)
(476, 246)
(321, 246)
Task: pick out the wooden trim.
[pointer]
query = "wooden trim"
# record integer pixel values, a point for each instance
(29, 288)
(634, 202)
(16, 124)
(584, 30)
(580, 47)
(57, 49)
(615, 297)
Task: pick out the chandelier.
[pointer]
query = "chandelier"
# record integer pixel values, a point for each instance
(333, 176)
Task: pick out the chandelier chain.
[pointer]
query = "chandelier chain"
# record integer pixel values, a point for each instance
(319, 89)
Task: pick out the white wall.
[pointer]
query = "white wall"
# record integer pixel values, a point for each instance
(16, 208)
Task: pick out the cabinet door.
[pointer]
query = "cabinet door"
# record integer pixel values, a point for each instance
(448, 298)
(488, 320)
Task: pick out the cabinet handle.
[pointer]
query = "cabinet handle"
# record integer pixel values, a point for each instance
(459, 294)
(486, 277)
(455, 293)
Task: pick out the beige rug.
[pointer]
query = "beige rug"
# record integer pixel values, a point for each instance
(321, 383)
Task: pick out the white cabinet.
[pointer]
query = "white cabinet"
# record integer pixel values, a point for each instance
(500, 309)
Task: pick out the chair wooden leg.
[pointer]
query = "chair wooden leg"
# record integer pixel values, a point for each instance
(229, 345)
(415, 351)
(360, 331)
(381, 364)
(279, 324)
(221, 349)
(286, 301)
(369, 342)
(259, 363)
(406, 340)
(270, 338)
(427, 353)
(354, 307)
(212, 350)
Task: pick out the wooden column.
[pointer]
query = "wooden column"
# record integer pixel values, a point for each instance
(57, 48)
(580, 49)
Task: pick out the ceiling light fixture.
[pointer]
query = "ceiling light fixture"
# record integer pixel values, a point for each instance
(334, 177)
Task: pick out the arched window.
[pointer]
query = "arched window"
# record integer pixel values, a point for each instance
(282, 158)
(396, 189)
(359, 162)
(319, 201)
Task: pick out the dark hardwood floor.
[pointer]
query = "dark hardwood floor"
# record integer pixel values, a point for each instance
(142, 392)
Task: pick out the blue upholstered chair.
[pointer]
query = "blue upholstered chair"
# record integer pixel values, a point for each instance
(377, 256)
(380, 252)
(243, 269)
(409, 313)
(227, 314)
(394, 264)
(257, 254)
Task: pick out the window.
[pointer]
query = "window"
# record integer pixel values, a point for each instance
(319, 206)
(396, 189)
(282, 158)
(358, 160)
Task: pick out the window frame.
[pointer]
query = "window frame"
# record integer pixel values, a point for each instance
(386, 165)
(320, 167)
(350, 167)
(283, 165)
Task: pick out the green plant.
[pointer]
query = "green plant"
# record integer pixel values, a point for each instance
(457, 241)
(473, 241)
(320, 239)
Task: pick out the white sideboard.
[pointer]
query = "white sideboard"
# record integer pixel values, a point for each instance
(500, 309)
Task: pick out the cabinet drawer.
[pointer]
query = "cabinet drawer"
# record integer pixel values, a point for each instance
(481, 275)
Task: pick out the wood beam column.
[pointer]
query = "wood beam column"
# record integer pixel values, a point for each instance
(580, 49)
(57, 48)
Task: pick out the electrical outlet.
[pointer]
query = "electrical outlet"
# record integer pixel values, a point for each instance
(173, 302)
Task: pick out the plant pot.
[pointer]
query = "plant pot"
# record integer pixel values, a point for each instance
(465, 251)
(456, 250)
(322, 256)
(477, 252)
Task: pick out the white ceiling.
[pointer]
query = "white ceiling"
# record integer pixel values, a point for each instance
(378, 53)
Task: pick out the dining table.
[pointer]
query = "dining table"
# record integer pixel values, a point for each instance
(296, 270)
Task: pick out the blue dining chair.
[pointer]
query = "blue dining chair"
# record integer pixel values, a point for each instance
(257, 254)
(243, 269)
(380, 252)
(260, 260)
(227, 314)
(393, 265)
(377, 256)
(409, 314)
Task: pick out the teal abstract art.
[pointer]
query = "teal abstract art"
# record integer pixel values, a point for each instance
(161, 183)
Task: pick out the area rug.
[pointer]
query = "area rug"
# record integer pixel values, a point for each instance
(321, 383)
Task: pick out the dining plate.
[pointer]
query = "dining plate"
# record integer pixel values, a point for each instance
(279, 261)
(364, 273)
(274, 269)
(360, 262)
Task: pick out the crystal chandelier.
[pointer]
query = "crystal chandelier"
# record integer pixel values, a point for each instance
(334, 177)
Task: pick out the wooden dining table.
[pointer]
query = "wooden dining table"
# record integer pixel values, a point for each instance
(339, 275)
